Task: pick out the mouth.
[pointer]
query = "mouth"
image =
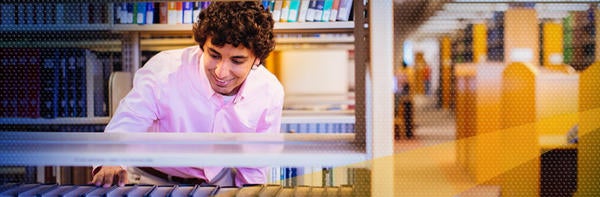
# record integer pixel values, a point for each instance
(222, 83)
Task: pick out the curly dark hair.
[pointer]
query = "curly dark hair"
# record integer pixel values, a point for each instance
(235, 23)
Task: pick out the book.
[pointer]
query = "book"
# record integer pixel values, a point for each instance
(196, 11)
(319, 10)
(179, 12)
(327, 4)
(60, 13)
(265, 4)
(149, 13)
(8, 13)
(310, 14)
(285, 11)
(334, 10)
(140, 13)
(163, 12)
(277, 10)
(129, 15)
(187, 10)
(294, 9)
(345, 10)
(303, 10)
(172, 13)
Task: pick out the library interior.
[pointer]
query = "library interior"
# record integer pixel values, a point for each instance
(425, 98)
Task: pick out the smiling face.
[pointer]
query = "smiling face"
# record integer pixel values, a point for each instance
(227, 67)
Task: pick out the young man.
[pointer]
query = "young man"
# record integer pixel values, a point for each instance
(215, 87)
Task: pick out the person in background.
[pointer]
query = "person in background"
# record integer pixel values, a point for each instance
(402, 101)
(218, 86)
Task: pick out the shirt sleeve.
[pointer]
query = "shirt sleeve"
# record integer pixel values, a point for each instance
(138, 110)
(250, 176)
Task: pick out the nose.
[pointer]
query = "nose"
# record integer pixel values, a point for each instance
(222, 70)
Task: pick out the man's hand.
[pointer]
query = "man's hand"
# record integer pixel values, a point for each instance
(109, 175)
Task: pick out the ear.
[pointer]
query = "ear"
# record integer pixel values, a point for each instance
(256, 62)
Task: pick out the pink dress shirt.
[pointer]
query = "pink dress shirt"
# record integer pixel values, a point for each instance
(172, 94)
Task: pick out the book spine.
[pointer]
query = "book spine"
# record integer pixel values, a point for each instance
(130, 16)
(303, 10)
(163, 12)
(172, 13)
(140, 13)
(8, 13)
(310, 14)
(196, 9)
(285, 10)
(327, 4)
(294, 9)
(277, 10)
(81, 84)
(149, 13)
(334, 10)
(188, 8)
(344, 10)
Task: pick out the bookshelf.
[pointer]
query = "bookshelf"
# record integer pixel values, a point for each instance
(373, 116)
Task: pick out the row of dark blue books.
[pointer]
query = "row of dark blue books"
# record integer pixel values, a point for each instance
(53, 13)
(50, 83)
(318, 128)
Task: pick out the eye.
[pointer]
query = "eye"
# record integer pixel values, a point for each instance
(237, 62)
(214, 56)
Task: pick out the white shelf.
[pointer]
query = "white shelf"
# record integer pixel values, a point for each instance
(295, 27)
(179, 149)
(315, 40)
(309, 117)
(48, 121)
(55, 27)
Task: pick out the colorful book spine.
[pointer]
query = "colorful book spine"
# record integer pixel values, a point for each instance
(277, 10)
(163, 12)
(303, 10)
(265, 4)
(187, 10)
(319, 10)
(179, 12)
(344, 10)
(140, 13)
(310, 14)
(285, 11)
(129, 17)
(149, 13)
(172, 13)
(294, 9)
(334, 10)
(327, 4)
(196, 11)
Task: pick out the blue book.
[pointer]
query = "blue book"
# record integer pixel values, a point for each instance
(319, 10)
(84, 17)
(8, 13)
(81, 83)
(62, 83)
(129, 13)
(20, 14)
(188, 9)
(141, 13)
(49, 79)
(196, 11)
(265, 4)
(310, 14)
(29, 16)
(72, 79)
(149, 13)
